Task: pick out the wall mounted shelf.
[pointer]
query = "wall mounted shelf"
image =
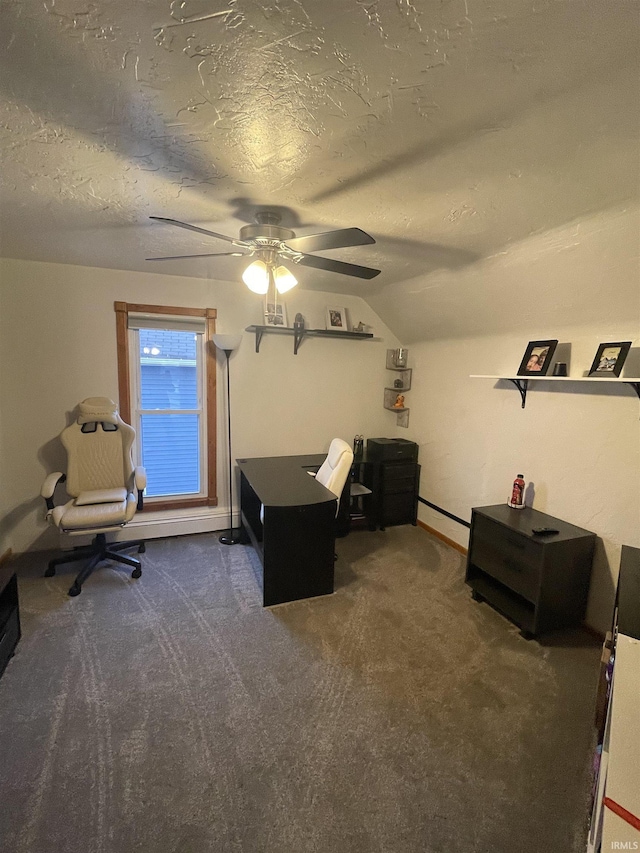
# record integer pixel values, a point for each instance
(522, 382)
(402, 376)
(299, 334)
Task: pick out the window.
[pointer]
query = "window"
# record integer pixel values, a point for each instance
(167, 380)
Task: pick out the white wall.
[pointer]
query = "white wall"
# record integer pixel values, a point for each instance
(57, 346)
(583, 273)
(577, 444)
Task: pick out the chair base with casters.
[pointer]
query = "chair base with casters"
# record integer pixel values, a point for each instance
(98, 552)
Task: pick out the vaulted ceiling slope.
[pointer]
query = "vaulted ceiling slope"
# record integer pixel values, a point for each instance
(450, 130)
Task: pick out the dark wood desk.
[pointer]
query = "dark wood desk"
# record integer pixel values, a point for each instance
(296, 540)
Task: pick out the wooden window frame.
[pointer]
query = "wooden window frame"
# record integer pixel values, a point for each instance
(122, 310)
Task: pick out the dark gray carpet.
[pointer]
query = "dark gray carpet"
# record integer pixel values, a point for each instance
(175, 715)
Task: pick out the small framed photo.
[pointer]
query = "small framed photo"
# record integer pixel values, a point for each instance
(275, 315)
(337, 319)
(537, 358)
(610, 358)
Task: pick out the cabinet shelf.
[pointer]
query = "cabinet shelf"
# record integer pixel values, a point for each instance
(522, 382)
(299, 334)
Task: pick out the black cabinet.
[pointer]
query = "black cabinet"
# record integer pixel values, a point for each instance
(9, 615)
(539, 582)
(394, 487)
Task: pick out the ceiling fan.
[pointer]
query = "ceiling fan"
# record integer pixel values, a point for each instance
(272, 245)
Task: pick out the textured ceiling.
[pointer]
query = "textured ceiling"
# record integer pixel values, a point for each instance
(448, 129)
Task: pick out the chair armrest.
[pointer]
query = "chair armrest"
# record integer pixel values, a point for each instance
(49, 487)
(140, 480)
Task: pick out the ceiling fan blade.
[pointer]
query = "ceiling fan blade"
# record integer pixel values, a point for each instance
(337, 266)
(330, 240)
(207, 255)
(233, 240)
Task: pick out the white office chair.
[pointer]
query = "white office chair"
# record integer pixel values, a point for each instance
(334, 471)
(100, 481)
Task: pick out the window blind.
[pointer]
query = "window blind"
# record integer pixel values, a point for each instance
(167, 322)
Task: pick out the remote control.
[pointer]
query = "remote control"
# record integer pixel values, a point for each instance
(543, 531)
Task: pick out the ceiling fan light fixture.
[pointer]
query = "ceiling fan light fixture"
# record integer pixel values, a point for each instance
(256, 277)
(285, 280)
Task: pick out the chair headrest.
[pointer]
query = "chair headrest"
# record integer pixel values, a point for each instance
(336, 449)
(98, 409)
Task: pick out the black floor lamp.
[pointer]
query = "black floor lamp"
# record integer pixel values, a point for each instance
(228, 343)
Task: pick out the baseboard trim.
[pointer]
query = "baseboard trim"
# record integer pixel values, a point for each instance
(8, 554)
(443, 538)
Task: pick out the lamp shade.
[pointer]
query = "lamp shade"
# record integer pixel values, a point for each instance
(285, 280)
(256, 277)
(227, 342)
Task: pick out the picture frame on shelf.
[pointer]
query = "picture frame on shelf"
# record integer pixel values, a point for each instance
(610, 358)
(537, 358)
(336, 319)
(275, 314)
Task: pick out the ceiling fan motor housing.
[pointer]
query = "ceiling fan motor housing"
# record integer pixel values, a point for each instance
(270, 234)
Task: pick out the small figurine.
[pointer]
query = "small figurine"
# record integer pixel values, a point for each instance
(298, 323)
(399, 403)
(360, 327)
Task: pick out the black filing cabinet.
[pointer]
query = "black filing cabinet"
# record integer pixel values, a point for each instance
(9, 615)
(539, 582)
(394, 487)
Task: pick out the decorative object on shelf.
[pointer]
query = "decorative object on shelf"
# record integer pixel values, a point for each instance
(228, 343)
(358, 446)
(361, 327)
(399, 403)
(610, 358)
(516, 501)
(397, 383)
(275, 314)
(337, 319)
(298, 323)
(397, 358)
(537, 358)
(560, 368)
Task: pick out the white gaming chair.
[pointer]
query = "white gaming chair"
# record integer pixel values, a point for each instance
(100, 481)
